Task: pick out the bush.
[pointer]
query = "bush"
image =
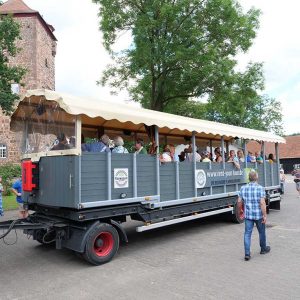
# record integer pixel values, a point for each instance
(8, 172)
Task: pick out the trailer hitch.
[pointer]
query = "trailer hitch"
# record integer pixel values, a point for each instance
(20, 224)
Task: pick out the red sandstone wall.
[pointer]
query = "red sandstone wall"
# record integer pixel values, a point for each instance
(36, 46)
(10, 139)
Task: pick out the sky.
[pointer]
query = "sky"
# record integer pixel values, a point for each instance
(81, 58)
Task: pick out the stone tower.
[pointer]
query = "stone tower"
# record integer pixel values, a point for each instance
(37, 55)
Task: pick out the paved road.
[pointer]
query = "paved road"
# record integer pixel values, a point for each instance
(202, 259)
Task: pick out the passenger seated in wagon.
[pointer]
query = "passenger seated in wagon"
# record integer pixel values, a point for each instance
(271, 158)
(205, 156)
(172, 153)
(233, 159)
(99, 146)
(250, 157)
(218, 155)
(259, 158)
(119, 145)
(139, 146)
(189, 154)
(166, 155)
(61, 143)
(240, 155)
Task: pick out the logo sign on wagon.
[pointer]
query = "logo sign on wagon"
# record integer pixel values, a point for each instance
(120, 178)
(200, 179)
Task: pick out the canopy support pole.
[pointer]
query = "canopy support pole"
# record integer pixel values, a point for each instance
(26, 142)
(227, 148)
(265, 162)
(78, 130)
(177, 180)
(223, 153)
(157, 161)
(223, 158)
(277, 161)
(245, 152)
(194, 161)
(108, 175)
(211, 148)
(134, 184)
(78, 133)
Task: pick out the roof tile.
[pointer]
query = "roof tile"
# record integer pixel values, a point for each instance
(14, 7)
(289, 150)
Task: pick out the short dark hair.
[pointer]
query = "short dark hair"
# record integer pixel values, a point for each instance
(139, 141)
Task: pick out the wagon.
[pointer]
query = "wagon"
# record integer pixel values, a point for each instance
(80, 199)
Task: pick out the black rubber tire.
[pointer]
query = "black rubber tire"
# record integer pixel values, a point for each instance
(238, 215)
(112, 245)
(268, 205)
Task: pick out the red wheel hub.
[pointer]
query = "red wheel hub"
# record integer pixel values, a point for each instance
(103, 244)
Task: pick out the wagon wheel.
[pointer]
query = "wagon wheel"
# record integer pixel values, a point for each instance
(102, 244)
(238, 215)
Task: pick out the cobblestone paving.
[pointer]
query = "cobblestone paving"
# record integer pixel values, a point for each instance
(202, 259)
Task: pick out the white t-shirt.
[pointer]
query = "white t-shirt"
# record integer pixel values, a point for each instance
(166, 157)
(197, 156)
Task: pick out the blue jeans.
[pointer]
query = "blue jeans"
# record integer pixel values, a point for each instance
(248, 232)
(1, 208)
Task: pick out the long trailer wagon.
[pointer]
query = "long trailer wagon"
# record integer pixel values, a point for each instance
(81, 199)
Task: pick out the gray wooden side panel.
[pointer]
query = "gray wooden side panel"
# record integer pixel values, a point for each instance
(218, 190)
(58, 182)
(260, 172)
(93, 177)
(167, 181)
(146, 175)
(269, 175)
(186, 180)
(231, 188)
(275, 174)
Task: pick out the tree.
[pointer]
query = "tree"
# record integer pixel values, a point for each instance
(241, 104)
(9, 33)
(183, 51)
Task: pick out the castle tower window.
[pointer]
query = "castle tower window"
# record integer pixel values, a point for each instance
(46, 63)
(3, 151)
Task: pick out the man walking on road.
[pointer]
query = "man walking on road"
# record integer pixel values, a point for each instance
(252, 196)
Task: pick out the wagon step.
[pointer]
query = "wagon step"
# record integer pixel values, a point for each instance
(183, 219)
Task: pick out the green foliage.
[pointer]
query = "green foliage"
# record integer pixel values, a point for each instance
(181, 49)
(240, 104)
(184, 51)
(9, 202)
(9, 33)
(8, 172)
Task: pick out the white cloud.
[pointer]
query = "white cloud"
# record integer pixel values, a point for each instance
(81, 57)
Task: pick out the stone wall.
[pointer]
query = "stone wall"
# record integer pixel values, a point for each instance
(26, 58)
(37, 56)
(45, 59)
(10, 140)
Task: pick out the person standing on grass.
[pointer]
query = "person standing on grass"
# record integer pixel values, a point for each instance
(17, 190)
(252, 196)
(1, 191)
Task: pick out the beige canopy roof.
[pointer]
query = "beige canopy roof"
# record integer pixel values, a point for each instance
(124, 116)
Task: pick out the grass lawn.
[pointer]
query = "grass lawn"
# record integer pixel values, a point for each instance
(9, 202)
